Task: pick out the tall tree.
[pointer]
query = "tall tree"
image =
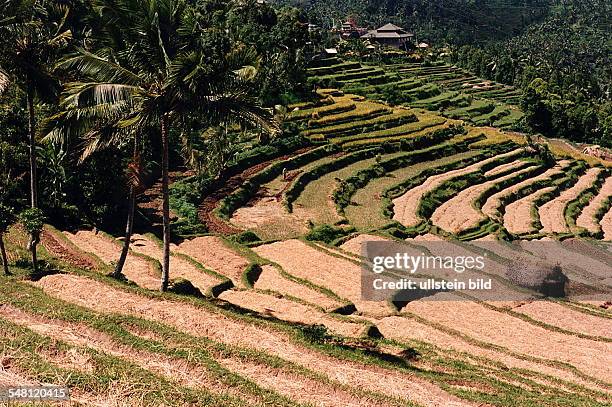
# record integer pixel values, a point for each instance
(31, 34)
(155, 71)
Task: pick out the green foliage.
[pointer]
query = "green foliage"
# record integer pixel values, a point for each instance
(327, 233)
(315, 333)
(562, 64)
(251, 274)
(7, 217)
(33, 220)
(298, 185)
(184, 287)
(185, 197)
(245, 237)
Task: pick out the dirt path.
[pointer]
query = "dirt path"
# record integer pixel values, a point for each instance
(271, 279)
(492, 205)
(150, 203)
(136, 269)
(518, 217)
(552, 213)
(336, 274)
(460, 213)
(66, 252)
(213, 253)
(200, 322)
(179, 267)
(407, 205)
(587, 216)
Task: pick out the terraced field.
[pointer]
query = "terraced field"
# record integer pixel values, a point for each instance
(447, 89)
(272, 313)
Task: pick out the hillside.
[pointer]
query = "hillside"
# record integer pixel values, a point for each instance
(455, 21)
(271, 305)
(192, 214)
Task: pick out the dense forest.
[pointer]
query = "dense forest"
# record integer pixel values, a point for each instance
(99, 98)
(455, 21)
(563, 66)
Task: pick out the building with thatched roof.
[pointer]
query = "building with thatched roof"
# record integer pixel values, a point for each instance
(391, 35)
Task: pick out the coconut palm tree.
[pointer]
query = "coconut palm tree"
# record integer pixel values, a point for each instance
(154, 72)
(31, 35)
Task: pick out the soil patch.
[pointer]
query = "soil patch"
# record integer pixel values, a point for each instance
(206, 210)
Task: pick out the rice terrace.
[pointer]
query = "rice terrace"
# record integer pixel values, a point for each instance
(239, 203)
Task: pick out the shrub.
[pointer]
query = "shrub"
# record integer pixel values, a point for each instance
(185, 197)
(245, 237)
(315, 333)
(251, 274)
(33, 220)
(327, 233)
(184, 287)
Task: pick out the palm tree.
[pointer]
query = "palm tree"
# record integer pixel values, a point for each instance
(154, 72)
(31, 35)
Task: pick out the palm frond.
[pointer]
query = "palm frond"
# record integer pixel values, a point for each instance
(98, 94)
(4, 81)
(102, 137)
(94, 66)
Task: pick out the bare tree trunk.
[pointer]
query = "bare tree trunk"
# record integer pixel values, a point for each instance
(129, 227)
(166, 203)
(128, 234)
(4, 257)
(33, 178)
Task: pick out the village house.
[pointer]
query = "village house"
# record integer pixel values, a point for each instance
(350, 29)
(390, 35)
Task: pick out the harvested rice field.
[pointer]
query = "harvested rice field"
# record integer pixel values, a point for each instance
(271, 298)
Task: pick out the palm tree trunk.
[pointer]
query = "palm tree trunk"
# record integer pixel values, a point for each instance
(4, 257)
(33, 178)
(128, 235)
(166, 204)
(129, 227)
